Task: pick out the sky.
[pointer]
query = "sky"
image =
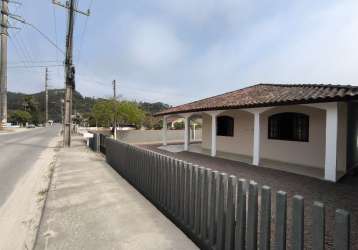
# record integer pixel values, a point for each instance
(176, 51)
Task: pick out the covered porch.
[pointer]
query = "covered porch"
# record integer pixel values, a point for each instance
(267, 163)
(321, 156)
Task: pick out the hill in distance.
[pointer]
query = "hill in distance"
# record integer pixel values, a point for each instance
(81, 104)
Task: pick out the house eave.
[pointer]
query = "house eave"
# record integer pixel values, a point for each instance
(260, 105)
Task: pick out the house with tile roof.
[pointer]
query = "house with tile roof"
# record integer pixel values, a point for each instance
(307, 129)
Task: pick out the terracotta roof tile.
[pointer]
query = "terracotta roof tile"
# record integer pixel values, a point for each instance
(264, 95)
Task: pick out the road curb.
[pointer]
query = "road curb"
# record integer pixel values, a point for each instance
(43, 202)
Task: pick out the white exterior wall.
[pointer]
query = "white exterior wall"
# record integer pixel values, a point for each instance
(310, 153)
(241, 142)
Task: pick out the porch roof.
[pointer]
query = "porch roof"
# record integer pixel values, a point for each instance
(265, 95)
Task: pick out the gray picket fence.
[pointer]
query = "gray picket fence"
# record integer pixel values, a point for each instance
(94, 142)
(218, 211)
(98, 142)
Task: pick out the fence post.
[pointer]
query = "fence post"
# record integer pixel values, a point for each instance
(162, 181)
(167, 183)
(186, 193)
(175, 191)
(281, 218)
(143, 170)
(342, 230)
(154, 178)
(197, 214)
(149, 172)
(98, 143)
(298, 223)
(204, 205)
(252, 212)
(171, 186)
(230, 213)
(181, 191)
(212, 217)
(265, 218)
(318, 226)
(191, 195)
(221, 209)
(240, 225)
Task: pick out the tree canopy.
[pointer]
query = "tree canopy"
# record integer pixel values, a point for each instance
(20, 117)
(106, 112)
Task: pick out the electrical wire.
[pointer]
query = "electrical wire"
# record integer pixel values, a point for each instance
(45, 36)
(35, 66)
(23, 45)
(41, 61)
(19, 50)
(83, 34)
(56, 36)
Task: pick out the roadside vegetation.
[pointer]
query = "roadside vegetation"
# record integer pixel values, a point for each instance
(125, 113)
(20, 117)
(87, 111)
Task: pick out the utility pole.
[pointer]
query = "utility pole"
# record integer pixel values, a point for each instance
(5, 15)
(71, 6)
(46, 97)
(114, 110)
(114, 90)
(62, 102)
(3, 64)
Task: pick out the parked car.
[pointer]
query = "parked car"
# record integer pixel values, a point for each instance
(31, 126)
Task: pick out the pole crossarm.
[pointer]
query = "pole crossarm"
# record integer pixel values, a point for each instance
(66, 6)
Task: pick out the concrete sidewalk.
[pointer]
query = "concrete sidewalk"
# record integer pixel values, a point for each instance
(90, 206)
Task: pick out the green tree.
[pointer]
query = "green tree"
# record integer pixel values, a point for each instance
(102, 113)
(124, 113)
(179, 125)
(32, 106)
(129, 113)
(20, 117)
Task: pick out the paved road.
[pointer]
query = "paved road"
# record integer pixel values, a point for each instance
(18, 153)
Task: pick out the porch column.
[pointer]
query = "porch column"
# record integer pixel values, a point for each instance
(256, 145)
(214, 115)
(330, 168)
(213, 133)
(186, 133)
(164, 131)
(257, 134)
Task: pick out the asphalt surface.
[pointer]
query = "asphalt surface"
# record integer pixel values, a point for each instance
(18, 153)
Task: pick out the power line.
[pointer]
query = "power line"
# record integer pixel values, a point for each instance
(83, 34)
(45, 36)
(40, 61)
(132, 89)
(35, 66)
(56, 36)
(18, 37)
(19, 50)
